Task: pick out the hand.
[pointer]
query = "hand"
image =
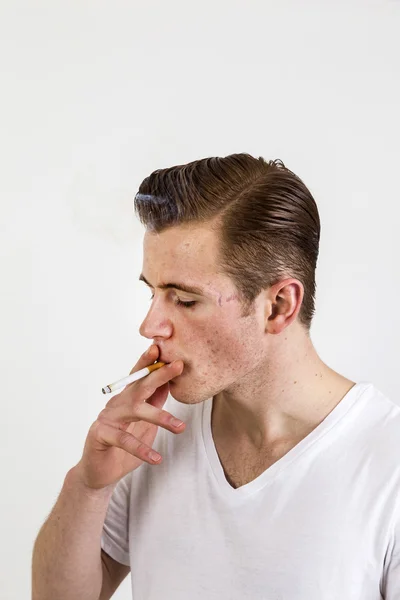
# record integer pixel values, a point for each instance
(121, 437)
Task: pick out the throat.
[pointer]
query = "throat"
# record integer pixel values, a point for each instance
(242, 462)
(241, 466)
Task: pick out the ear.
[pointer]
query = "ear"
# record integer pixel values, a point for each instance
(283, 305)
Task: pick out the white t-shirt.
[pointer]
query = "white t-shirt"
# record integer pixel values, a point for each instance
(322, 523)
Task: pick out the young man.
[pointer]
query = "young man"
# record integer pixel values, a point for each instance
(284, 482)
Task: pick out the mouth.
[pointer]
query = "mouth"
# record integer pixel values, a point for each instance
(167, 362)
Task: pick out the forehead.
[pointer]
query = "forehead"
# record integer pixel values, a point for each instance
(183, 239)
(183, 247)
(187, 254)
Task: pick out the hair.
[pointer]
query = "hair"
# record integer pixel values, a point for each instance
(267, 220)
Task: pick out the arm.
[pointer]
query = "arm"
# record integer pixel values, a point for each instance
(66, 561)
(113, 575)
(390, 580)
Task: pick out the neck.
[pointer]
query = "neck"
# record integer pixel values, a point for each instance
(282, 399)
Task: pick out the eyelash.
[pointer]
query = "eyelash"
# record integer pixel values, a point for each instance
(181, 303)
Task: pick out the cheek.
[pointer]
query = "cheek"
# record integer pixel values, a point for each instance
(226, 349)
(223, 341)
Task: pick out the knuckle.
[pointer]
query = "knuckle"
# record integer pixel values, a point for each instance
(104, 414)
(96, 430)
(166, 417)
(125, 439)
(94, 426)
(142, 449)
(112, 402)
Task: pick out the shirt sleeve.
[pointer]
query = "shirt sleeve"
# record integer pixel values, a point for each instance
(115, 535)
(390, 588)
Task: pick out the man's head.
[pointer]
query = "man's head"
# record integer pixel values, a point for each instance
(247, 233)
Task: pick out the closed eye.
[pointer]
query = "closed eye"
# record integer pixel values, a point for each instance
(180, 302)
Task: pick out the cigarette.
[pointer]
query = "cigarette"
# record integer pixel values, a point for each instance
(131, 378)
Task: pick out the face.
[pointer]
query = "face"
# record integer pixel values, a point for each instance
(219, 347)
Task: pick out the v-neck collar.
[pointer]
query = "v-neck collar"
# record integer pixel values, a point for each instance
(244, 491)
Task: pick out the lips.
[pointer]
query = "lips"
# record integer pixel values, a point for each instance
(164, 360)
(167, 360)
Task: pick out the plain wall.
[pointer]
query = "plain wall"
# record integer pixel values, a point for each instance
(94, 97)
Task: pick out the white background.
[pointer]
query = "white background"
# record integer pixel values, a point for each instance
(94, 97)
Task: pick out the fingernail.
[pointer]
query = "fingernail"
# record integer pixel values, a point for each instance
(154, 456)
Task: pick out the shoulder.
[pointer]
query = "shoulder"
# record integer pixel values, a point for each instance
(379, 426)
(382, 410)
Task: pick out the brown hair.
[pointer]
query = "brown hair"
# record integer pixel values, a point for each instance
(266, 218)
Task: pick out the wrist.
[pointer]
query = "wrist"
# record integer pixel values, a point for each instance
(75, 479)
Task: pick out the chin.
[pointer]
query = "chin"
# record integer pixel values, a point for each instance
(187, 396)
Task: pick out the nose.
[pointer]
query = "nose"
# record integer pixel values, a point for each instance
(155, 325)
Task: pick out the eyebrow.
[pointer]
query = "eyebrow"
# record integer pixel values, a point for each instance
(177, 286)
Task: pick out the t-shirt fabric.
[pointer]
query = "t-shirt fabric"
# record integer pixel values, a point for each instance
(321, 523)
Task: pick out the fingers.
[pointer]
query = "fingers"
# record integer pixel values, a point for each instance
(146, 386)
(131, 406)
(146, 359)
(124, 440)
(159, 397)
(143, 412)
(141, 390)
